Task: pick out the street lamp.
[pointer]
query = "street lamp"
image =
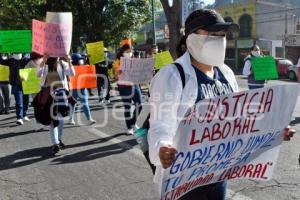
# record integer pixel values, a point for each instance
(153, 22)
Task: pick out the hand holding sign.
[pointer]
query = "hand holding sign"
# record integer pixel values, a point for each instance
(167, 156)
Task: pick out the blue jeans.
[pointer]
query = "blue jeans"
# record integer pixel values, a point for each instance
(215, 191)
(22, 101)
(251, 87)
(82, 95)
(128, 94)
(56, 132)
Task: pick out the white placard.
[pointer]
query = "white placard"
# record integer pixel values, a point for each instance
(137, 70)
(236, 136)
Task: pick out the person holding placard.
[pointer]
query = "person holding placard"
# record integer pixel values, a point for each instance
(248, 71)
(81, 94)
(128, 91)
(206, 77)
(15, 63)
(5, 90)
(53, 73)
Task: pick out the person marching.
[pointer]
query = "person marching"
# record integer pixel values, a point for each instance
(5, 96)
(81, 94)
(247, 70)
(128, 91)
(53, 73)
(15, 63)
(203, 69)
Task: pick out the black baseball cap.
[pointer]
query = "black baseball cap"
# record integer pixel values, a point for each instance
(209, 20)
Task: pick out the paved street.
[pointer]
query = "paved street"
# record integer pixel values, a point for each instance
(102, 163)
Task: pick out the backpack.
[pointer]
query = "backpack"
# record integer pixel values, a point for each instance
(62, 102)
(142, 133)
(41, 106)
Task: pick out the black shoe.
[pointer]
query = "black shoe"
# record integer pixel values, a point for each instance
(6, 112)
(1, 112)
(55, 149)
(61, 144)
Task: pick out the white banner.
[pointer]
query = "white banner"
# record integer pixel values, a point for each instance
(234, 136)
(137, 70)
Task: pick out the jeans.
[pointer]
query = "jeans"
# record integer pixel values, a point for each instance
(215, 191)
(251, 87)
(22, 101)
(128, 94)
(4, 97)
(56, 132)
(83, 96)
(103, 81)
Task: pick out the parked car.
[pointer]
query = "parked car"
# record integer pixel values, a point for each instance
(283, 66)
(292, 73)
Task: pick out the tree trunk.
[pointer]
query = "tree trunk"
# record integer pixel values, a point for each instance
(173, 15)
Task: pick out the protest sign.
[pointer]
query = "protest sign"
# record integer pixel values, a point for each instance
(264, 68)
(51, 39)
(236, 136)
(95, 52)
(162, 59)
(136, 70)
(15, 41)
(85, 77)
(4, 73)
(31, 84)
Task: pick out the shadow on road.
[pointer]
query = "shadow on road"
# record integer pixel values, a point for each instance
(24, 158)
(95, 153)
(295, 121)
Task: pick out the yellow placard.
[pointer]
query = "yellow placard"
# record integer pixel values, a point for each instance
(162, 59)
(30, 82)
(4, 73)
(95, 52)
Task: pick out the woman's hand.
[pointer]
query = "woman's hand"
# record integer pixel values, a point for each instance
(167, 156)
(288, 133)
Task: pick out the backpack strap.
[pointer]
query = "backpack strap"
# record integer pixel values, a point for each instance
(181, 72)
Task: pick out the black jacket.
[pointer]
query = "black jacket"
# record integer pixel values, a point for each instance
(14, 67)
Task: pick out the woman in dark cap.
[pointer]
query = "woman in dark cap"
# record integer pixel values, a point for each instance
(202, 54)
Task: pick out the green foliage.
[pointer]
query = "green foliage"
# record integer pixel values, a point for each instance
(108, 20)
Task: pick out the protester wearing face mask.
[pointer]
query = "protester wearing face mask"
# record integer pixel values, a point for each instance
(128, 91)
(15, 63)
(205, 76)
(81, 94)
(5, 93)
(247, 71)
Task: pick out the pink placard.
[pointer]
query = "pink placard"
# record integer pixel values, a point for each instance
(51, 39)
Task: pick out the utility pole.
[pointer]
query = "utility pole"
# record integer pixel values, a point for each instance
(153, 22)
(285, 31)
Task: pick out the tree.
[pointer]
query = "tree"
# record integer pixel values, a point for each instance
(107, 20)
(174, 22)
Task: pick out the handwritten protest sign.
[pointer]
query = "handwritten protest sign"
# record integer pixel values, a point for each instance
(136, 70)
(163, 59)
(4, 73)
(85, 77)
(30, 82)
(95, 51)
(15, 41)
(264, 68)
(233, 136)
(51, 39)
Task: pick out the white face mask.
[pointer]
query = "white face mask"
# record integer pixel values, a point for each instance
(209, 50)
(255, 53)
(81, 62)
(17, 56)
(127, 55)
